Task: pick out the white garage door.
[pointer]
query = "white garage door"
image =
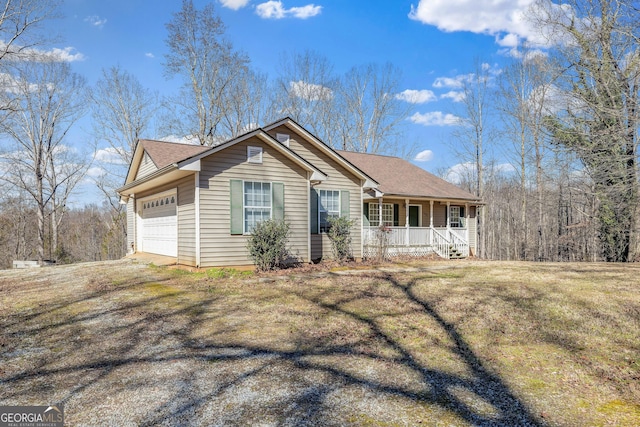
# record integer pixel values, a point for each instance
(158, 226)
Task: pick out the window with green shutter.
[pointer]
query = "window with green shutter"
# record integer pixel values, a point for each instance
(254, 201)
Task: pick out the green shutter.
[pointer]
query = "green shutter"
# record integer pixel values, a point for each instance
(236, 197)
(396, 215)
(277, 190)
(313, 211)
(365, 215)
(345, 201)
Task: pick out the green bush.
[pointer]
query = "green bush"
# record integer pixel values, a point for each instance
(268, 243)
(340, 236)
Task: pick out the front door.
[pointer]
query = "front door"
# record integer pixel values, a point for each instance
(414, 216)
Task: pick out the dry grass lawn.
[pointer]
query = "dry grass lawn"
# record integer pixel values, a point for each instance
(437, 343)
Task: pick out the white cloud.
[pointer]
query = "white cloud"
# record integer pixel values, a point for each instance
(305, 12)
(417, 96)
(457, 173)
(109, 155)
(187, 139)
(65, 55)
(424, 156)
(454, 95)
(96, 21)
(467, 171)
(19, 53)
(234, 4)
(96, 172)
(452, 82)
(275, 10)
(11, 85)
(506, 18)
(149, 55)
(310, 91)
(270, 10)
(436, 118)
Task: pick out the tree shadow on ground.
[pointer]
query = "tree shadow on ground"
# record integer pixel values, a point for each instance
(188, 354)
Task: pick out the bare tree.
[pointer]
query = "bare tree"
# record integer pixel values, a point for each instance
(597, 47)
(306, 91)
(248, 103)
(20, 24)
(20, 35)
(122, 111)
(49, 97)
(66, 168)
(372, 116)
(524, 95)
(473, 133)
(208, 65)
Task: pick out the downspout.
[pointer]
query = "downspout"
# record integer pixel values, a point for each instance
(197, 219)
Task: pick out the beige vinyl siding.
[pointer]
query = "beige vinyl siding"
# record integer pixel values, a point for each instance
(186, 222)
(439, 214)
(473, 228)
(131, 225)
(339, 178)
(146, 166)
(218, 246)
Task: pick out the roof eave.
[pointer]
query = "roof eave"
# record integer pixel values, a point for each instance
(124, 190)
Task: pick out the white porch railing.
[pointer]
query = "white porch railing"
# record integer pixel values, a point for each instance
(417, 241)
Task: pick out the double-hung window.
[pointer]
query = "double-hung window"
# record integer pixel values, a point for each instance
(257, 203)
(328, 207)
(374, 214)
(456, 216)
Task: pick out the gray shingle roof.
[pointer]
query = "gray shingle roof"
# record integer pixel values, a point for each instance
(165, 153)
(399, 177)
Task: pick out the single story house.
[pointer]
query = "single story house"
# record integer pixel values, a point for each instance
(199, 203)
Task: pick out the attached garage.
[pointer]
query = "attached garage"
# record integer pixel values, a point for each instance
(158, 224)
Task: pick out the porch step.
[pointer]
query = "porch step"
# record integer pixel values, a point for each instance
(455, 253)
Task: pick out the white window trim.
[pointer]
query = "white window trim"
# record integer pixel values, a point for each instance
(320, 209)
(283, 138)
(459, 222)
(376, 212)
(244, 206)
(254, 154)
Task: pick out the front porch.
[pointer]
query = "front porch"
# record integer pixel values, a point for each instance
(450, 234)
(415, 241)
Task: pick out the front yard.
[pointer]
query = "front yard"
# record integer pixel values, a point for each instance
(439, 343)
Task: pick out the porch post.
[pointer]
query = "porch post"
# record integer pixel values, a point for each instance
(448, 217)
(466, 221)
(406, 219)
(380, 223)
(431, 213)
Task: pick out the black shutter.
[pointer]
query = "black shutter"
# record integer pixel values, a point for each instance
(396, 215)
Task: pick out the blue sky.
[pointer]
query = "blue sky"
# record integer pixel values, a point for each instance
(434, 42)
